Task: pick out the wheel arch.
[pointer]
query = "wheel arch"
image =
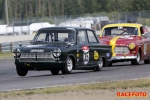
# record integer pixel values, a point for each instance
(104, 60)
(140, 50)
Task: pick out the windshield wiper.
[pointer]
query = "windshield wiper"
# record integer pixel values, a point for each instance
(43, 41)
(38, 41)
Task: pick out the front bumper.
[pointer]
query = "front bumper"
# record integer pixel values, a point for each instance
(123, 57)
(41, 65)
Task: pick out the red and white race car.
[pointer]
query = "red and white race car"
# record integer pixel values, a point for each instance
(129, 41)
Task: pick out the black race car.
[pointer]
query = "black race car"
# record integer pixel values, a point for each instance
(62, 49)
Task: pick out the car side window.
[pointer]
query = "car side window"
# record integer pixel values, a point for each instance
(81, 37)
(141, 30)
(91, 36)
(50, 37)
(41, 37)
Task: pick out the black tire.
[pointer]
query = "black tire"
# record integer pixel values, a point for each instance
(21, 71)
(55, 72)
(68, 67)
(147, 61)
(137, 60)
(100, 64)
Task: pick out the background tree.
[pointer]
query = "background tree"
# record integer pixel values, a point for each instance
(48, 8)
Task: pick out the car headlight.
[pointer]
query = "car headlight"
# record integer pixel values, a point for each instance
(57, 52)
(16, 52)
(132, 45)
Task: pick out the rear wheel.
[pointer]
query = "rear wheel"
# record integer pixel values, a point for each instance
(137, 60)
(21, 71)
(100, 64)
(68, 67)
(55, 72)
(147, 61)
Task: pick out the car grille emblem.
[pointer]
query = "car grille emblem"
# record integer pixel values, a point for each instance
(37, 50)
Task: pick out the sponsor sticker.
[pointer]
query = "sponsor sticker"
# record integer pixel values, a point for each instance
(120, 27)
(96, 55)
(107, 54)
(145, 49)
(77, 55)
(85, 54)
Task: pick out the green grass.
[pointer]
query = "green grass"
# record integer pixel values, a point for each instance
(6, 55)
(93, 86)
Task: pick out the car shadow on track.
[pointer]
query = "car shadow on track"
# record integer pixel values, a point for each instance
(60, 74)
(125, 64)
(105, 69)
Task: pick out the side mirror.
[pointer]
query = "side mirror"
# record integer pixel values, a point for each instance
(68, 44)
(145, 35)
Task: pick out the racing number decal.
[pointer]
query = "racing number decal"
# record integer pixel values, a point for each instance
(85, 54)
(85, 57)
(145, 49)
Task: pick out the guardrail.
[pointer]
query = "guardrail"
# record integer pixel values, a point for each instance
(9, 46)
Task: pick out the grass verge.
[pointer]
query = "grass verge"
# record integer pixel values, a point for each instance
(4, 55)
(93, 86)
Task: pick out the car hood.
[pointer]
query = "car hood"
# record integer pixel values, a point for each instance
(40, 48)
(118, 40)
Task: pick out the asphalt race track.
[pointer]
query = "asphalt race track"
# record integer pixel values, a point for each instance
(9, 80)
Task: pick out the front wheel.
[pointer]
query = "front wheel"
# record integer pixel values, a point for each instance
(21, 71)
(68, 67)
(137, 60)
(100, 64)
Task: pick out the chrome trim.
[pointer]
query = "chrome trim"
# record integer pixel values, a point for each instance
(27, 55)
(36, 57)
(123, 57)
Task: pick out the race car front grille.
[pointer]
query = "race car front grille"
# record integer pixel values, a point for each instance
(45, 57)
(28, 57)
(36, 57)
(122, 50)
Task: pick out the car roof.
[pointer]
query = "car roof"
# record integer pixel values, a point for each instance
(66, 27)
(123, 24)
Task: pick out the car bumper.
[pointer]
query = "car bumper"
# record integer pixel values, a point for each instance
(123, 57)
(41, 65)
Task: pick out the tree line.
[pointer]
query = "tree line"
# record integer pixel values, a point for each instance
(49, 8)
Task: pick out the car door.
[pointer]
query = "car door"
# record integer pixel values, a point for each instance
(93, 42)
(85, 51)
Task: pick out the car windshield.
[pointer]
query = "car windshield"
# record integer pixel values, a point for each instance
(55, 36)
(116, 31)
